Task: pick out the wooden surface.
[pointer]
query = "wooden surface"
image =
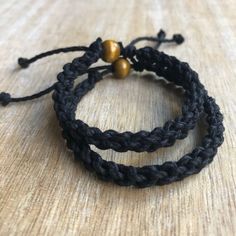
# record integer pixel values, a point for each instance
(43, 191)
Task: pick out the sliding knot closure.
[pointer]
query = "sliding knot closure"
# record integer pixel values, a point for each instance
(79, 136)
(128, 52)
(96, 46)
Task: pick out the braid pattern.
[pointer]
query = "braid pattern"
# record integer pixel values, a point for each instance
(79, 135)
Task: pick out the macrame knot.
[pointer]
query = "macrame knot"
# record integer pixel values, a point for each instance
(129, 51)
(138, 66)
(96, 46)
(23, 62)
(178, 38)
(5, 98)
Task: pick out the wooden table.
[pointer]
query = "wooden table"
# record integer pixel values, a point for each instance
(43, 191)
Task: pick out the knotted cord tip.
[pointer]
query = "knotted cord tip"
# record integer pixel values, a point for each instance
(23, 62)
(5, 98)
(178, 38)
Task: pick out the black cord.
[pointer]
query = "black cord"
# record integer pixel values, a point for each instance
(5, 98)
(79, 135)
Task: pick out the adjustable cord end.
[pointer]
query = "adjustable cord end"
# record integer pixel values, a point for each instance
(178, 38)
(5, 98)
(23, 62)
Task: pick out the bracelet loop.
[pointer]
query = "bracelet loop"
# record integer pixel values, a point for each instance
(79, 136)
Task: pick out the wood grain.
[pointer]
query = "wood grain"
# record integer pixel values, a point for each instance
(43, 191)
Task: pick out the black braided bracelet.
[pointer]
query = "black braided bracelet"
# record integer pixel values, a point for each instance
(80, 136)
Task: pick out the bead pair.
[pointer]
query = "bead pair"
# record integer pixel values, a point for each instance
(111, 53)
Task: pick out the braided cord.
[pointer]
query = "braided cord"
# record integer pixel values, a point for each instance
(172, 130)
(79, 136)
(74, 131)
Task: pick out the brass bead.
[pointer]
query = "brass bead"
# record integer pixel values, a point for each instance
(121, 68)
(111, 51)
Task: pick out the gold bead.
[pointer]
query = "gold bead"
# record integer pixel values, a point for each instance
(111, 51)
(121, 68)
